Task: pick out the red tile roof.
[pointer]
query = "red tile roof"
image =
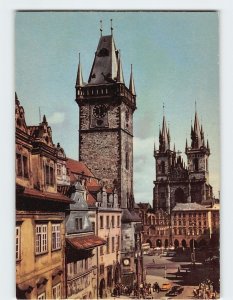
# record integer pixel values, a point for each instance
(90, 200)
(33, 193)
(78, 167)
(94, 188)
(86, 242)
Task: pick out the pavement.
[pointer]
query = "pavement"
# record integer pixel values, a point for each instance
(164, 269)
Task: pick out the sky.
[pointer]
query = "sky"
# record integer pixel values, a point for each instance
(175, 57)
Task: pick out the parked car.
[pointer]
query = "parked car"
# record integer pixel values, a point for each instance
(175, 290)
(165, 286)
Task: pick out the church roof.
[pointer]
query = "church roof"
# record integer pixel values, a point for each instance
(78, 167)
(188, 206)
(105, 65)
(129, 216)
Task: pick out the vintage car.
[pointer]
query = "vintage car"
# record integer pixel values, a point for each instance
(175, 290)
(165, 286)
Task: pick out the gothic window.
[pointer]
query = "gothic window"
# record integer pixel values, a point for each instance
(58, 169)
(179, 196)
(126, 160)
(195, 164)
(163, 167)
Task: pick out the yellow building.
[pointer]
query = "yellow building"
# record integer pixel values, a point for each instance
(40, 213)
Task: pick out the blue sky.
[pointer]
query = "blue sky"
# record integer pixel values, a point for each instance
(175, 57)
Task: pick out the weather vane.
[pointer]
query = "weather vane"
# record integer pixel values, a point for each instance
(111, 26)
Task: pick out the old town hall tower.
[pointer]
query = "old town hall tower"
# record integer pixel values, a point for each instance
(176, 183)
(106, 107)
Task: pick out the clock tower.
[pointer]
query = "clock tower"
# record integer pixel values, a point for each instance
(106, 107)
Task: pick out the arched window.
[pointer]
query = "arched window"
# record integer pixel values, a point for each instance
(195, 164)
(126, 160)
(162, 167)
(179, 196)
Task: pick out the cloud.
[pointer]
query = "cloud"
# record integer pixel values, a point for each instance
(56, 118)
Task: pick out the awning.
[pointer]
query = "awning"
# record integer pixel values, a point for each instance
(86, 242)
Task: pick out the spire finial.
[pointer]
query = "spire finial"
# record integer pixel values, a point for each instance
(163, 108)
(195, 106)
(111, 27)
(101, 27)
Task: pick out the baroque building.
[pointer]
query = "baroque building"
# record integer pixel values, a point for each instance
(40, 213)
(176, 183)
(106, 108)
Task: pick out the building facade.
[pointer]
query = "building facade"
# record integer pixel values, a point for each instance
(81, 244)
(40, 213)
(105, 217)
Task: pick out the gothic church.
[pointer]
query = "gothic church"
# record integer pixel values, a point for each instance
(176, 183)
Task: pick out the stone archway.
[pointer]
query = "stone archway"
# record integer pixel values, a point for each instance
(158, 243)
(179, 196)
(101, 288)
(166, 243)
(176, 244)
(149, 242)
(184, 244)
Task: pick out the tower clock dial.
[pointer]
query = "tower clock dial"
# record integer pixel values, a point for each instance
(99, 111)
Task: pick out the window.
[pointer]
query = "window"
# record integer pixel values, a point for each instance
(56, 236)
(41, 239)
(93, 226)
(17, 242)
(101, 269)
(101, 250)
(86, 264)
(101, 222)
(118, 243)
(49, 175)
(162, 167)
(41, 296)
(118, 221)
(75, 267)
(59, 173)
(56, 291)
(107, 222)
(113, 221)
(21, 165)
(79, 223)
(126, 160)
(107, 245)
(113, 244)
(195, 164)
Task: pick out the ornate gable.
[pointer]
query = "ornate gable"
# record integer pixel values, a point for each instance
(20, 116)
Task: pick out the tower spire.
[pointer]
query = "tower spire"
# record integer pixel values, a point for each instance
(79, 80)
(120, 76)
(164, 137)
(131, 82)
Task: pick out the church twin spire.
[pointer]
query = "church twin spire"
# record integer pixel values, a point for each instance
(197, 136)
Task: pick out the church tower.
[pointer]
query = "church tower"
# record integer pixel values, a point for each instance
(164, 159)
(197, 158)
(106, 107)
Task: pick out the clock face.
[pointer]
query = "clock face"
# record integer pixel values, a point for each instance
(99, 111)
(126, 262)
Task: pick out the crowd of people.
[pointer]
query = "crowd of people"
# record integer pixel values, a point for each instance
(205, 290)
(142, 291)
